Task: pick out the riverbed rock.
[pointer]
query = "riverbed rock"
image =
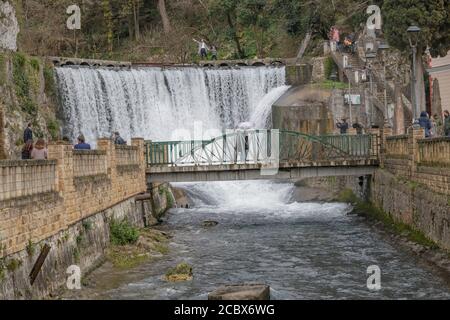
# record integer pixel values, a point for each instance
(210, 223)
(182, 272)
(241, 292)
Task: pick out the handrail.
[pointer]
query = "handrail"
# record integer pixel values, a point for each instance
(258, 144)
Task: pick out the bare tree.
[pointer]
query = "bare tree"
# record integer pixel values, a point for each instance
(165, 18)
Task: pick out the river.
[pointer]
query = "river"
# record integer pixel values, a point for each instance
(303, 250)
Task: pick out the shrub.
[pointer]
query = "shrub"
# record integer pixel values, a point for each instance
(123, 233)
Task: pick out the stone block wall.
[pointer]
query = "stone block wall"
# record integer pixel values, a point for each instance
(38, 199)
(413, 183)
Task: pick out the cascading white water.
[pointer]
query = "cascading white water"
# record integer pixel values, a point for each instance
(153, 103)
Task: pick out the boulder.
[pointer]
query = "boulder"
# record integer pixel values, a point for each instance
(241, 292)
(209, 223)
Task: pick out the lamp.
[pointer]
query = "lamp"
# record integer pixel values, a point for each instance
(413, 35)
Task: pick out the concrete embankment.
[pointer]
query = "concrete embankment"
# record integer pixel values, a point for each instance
(84, 244)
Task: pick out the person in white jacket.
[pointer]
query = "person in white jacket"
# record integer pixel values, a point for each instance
(202, 48)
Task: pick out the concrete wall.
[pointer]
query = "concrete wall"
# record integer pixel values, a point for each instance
(297, 75)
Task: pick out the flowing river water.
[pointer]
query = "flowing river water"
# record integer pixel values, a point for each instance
(303, 250)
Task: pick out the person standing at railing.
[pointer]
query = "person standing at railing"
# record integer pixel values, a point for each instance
(425, 123)
(118, 139)
(358, 126)
(439, 131)
(434, 128)
(39, 151)
(447, 123)
(26, 150)
(28, 133)
(342, 126)
(82, 145)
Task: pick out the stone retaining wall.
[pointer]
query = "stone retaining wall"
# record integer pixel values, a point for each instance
(39, 199)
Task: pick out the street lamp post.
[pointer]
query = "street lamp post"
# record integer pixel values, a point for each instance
(349, 68)
(370, 56)
(413, 37)
(383, 47)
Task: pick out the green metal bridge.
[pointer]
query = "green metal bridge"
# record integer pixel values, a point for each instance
(261, 154)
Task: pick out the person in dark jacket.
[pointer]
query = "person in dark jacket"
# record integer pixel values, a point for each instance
(82, 145)
(118, 139)
(28, 133)
(27, 149)
(342, 126)
(447, 123)
(424, 122)
(358, 126)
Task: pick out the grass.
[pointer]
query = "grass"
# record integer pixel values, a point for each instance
(30, 248)
(13, 265)
(3, 75)
(330, 85)
(22, 84)
(126, 257)
(123, 233)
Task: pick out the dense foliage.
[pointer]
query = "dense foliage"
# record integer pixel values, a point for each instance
(162, 30)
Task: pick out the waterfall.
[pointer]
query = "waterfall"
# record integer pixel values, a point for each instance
(153, 103)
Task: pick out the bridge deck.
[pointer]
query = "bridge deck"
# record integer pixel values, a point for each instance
(286, 170)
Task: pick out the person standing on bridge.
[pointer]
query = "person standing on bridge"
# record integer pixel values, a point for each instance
(342, 126)
(424, 122)
(202, 48)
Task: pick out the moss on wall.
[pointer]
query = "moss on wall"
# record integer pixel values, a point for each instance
(28, 93)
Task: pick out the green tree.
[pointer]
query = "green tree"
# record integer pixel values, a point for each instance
(433, 17)
(226, 11)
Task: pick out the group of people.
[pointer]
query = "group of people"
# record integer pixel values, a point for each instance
(31, 150)
(349, 43)
(203, 49)
(435, 126)
(343, 126)
(38, 150)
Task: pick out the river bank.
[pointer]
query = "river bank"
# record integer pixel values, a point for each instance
(275, 241)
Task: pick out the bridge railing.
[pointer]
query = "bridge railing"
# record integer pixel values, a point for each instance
(260, 147)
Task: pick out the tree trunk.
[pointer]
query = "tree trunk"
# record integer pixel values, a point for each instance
(165, 18)
(137, 33)
(235, 36)
(304, 46)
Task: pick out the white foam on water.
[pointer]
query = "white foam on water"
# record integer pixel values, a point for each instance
(259, 197)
